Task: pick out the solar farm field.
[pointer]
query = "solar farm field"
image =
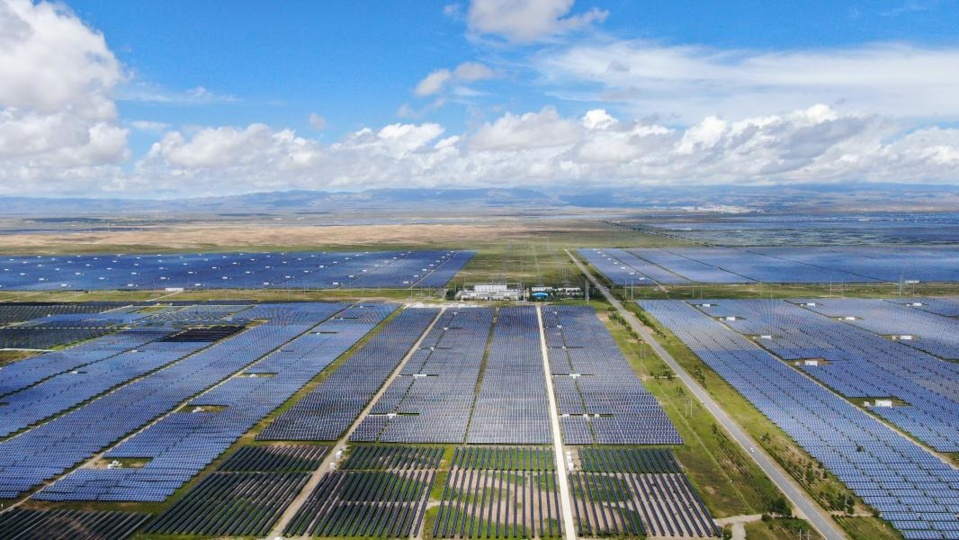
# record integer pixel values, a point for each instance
(300, 270)
(787, 229)
(867, 387)
(719, 265)
(339, 420)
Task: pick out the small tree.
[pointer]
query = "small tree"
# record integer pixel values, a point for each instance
(779, 507)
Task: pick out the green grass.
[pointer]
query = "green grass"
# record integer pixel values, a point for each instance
(537, 257)
(780, 529)
(868, 528)
(7, 357)
(786, 291)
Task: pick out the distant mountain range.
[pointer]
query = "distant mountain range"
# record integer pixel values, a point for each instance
(814, 198)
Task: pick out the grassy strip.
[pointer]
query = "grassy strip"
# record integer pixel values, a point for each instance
(868, 528)
(787, 291)
(7, 357)
(778, 529)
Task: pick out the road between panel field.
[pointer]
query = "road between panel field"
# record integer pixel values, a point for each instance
(318, 474)
(807, 507)
(562, 480)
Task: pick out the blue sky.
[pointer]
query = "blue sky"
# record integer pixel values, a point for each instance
(186, 98)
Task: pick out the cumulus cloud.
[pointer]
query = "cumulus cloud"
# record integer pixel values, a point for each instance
(525, 21)
(466, 72)
(57, 115)
(819, 144)
(691, 83)
(220, 160)
(521, 132)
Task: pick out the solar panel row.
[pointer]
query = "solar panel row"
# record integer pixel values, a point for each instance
(387, 499)
(512, 405)
(323, 270)
(50, 448)
(19, 524)
(600, 399)
(500, 493)
(887, 470)
(181, 444)
(432, 399)
(328, 410)
(675, 266)
(854, 356)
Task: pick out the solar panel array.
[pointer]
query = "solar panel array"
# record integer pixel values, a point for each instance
(19, 524)
(677, 266)
(904, 321)
(393, 458)
(383, 495)
(30, 371)
(195, 314)
(947, 307)
(50, 448)
(512, 406)
(276, 458)
(11, 312)
(246, 495)
(600, 399)
(805, 228)
(433, 397)
(45, 451)
(634, 493)
(329, 409)
(67, 389)
(913, 489)
(301, 270)
(855, 359)
(53, 330)
(181, 444)
(500, 493)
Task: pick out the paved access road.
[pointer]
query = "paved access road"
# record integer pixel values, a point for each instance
(569, 527)
(800, 499)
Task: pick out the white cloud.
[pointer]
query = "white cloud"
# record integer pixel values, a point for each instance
(229, 148)
(317, 121)
(530, 130)
(150, 126)
(57, 116)
(60, 133)
(433, 82)
(818, 144)
(145, 92)
(525, 21)
(472, 71)
(690, 83)
(440, 79)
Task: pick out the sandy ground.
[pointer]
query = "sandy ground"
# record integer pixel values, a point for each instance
(259, 234)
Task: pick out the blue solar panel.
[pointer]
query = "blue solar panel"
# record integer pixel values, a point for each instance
(775, 264)
(182, 443)
(323, 270)
(890, 472)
